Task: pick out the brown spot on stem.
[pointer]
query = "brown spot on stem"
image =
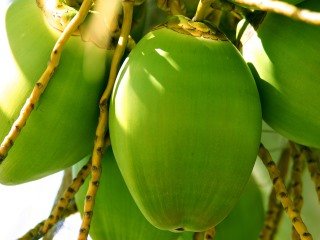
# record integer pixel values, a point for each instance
(283, 194)
(96, 183)
(88, 214)
(85, 167)
(296, 219)
(271, 164)
(39, 85)
(71, 190)
(100, 151)
(103, 103)
(275, 180)
(306, 234)
(95, 168)
(88, 198)
(18, 128)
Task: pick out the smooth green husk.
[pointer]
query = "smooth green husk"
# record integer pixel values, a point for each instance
(244, 221)
(285, 55)
(60, 130)
(185, 124)
(116, 216)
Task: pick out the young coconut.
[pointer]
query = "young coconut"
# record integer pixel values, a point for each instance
(185, 125)
(60, 130)
(116, 216)
(285, 55)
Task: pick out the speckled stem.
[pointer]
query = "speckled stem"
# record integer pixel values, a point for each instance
(59, 208)
(65, 183)
(299, 158)
(282, 194)
(42, 83)
(275, 210)
(103, 120)
(313, 162)
(34, 234)
(283, 8)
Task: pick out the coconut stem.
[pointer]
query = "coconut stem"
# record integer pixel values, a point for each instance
(63, 207)
(63, 202)
(314, 170)
(202, 9)
(282, 194)
(42, 83)
(274, 211)
(171, 6)
(65, 183)
(299, 158)
(283, 8)
(34, 234)
(103, 120)
(175, 7)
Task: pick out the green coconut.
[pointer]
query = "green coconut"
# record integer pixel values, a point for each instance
(285, 55)
(116, 216)
(185, 125)
(61, 128)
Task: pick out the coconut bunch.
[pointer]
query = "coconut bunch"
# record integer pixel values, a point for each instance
(163, 104)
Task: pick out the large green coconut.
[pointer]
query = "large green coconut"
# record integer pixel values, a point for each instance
(60, 130)
(185, 124)
(285, 54)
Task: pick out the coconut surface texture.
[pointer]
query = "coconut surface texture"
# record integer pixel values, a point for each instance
(285, 54)
(116, 216)
(60, 130)
(245, 221)
(185, 125)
